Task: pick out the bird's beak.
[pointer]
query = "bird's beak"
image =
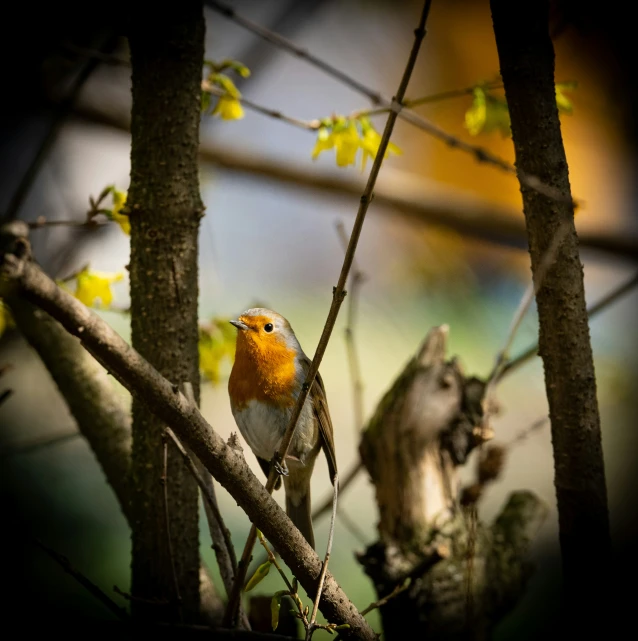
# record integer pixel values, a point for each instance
(238, 324)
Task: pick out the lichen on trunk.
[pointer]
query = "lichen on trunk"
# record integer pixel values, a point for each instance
(167, 51)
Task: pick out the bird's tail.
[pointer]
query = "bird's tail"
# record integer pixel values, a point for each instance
(300, 514)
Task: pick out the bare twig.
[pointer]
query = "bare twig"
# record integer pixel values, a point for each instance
(41, 222)
(592, 311)
(524, 434)
(337, 298)
(285, 44)
(99, 594)
(479, 153)
(523, 306)
(381, 602)
(348, 477)
(311, 125)
(313, 617)
(402, 194)
(167, 521)
(356, 279)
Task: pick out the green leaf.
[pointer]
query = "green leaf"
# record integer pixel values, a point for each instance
(275, 605)
(260, 574)
(564, 103)
(486, 114)
(205, 101)
(343, 626)
(227, 85)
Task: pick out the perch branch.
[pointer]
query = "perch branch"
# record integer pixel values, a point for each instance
(165, 400)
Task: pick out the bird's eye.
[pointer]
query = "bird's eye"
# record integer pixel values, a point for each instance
(268, 327)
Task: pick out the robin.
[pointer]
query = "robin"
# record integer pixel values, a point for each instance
(267, 376)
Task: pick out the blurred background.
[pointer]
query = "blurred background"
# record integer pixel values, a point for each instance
(269, 237)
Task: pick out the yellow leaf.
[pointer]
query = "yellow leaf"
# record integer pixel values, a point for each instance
(370, 142)
(216, 343)
(228, 108)
(486, 114)
(91, 286)
(325, 142)
(347, 143)
(260, 574)
(119, 200)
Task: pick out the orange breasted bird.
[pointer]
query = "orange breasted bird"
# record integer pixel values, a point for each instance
(267, 376)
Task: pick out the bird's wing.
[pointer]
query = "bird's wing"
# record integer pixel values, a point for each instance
(321, 411)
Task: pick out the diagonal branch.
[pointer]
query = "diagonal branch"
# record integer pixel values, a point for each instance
(481, 154)
(338, 295)
(165, 400)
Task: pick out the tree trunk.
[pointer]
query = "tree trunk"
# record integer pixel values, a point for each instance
(167, 52)
(526, 58)
(422, 430)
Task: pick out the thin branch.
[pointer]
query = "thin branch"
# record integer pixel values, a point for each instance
(322, 577)
(401, 194)
(349, 476)
(311, 125)
(607, 300)
(546, 262)
(41, 222)
(285, 44)
(352, 527)
(99, 594)
(356, 279)
(167, 521)
(524, 434)
(481, 154)
(337, 298)
(26, 280)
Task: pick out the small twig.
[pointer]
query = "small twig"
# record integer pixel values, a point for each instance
(84, 581)
(481, 154)
(352, 527)
(41, 222)
(381, 602)
(533, 288)
(337, 298)
(592, 311)
(285, 44)
(348, 477)
(4, 395)
(322, 577)
(311, 125)
(521, 436)
(356, 279)
(167, 522)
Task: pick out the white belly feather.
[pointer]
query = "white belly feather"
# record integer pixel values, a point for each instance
(263, 427)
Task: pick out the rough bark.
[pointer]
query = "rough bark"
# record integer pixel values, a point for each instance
(526, 57)
(422, 430)
(167, 51)
(224, 461)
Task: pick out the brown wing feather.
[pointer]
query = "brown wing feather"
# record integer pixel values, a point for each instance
(320, 404)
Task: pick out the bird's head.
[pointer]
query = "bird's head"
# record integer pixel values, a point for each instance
(266, 336)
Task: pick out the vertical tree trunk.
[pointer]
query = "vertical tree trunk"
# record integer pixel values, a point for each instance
(167, 51)
(526, 58)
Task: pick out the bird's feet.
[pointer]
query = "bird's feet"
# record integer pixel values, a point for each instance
(280, 467)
